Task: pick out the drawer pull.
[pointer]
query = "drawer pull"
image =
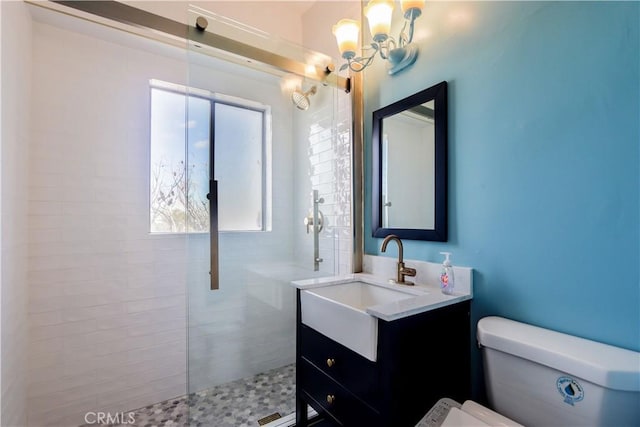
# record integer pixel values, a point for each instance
(331, 399)
(331, 362)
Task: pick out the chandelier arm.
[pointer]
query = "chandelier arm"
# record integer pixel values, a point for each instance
(362, 62)
(402, 38)
(411, 27)
(386, 47)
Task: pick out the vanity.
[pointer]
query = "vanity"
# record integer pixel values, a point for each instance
(372, 353)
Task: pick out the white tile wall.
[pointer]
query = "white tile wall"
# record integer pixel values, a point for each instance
(107, 301)
(15, 30)
(323, 163)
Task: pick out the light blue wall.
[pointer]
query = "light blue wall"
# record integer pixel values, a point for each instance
(544, 139)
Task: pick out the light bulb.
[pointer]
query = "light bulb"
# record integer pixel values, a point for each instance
(346, 32)
(378, 13)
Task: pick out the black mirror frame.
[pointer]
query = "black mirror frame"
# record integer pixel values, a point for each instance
(438, 93)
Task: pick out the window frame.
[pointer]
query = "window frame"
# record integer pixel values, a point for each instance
(266, 150)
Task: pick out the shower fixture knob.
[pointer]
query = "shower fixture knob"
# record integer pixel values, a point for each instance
(309, 221)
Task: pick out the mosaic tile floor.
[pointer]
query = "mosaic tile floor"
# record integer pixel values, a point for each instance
(239, 403)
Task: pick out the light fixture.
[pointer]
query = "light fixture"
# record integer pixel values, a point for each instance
(400, 54)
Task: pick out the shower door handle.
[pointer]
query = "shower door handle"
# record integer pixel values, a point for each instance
(318, 223)
(213, 234)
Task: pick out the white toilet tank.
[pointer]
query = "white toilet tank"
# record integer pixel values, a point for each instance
(540, 377)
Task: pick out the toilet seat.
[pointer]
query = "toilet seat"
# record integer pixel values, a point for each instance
(449, 413)
(458, 417)
(486, 415)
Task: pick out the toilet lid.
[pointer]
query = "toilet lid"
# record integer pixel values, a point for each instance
(457, 418)
(472, 414)
(487, 415)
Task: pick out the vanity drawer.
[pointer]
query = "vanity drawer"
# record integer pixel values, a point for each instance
(356, 373)
(334, 399)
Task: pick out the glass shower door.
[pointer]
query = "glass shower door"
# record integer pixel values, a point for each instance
(267, 158)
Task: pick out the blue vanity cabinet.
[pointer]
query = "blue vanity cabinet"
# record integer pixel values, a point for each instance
(421, 358)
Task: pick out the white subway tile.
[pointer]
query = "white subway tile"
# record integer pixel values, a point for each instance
(39, 304)
(151, 353)
(45, 222)
(50, 413)
(58, 390)
(46, 318)
(113, 322)
(120, 345)
(94, 312)
(61, 330)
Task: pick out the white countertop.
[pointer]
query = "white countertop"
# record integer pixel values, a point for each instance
(426, 297)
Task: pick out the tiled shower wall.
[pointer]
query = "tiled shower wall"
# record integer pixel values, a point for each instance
(323, 163)
(16, 89)
(107, 300)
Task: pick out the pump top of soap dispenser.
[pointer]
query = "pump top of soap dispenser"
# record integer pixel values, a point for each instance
(446, 262)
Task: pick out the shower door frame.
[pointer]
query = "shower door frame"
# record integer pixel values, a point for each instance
(129, 15)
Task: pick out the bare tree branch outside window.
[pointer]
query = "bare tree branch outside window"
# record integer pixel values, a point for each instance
(177, 204)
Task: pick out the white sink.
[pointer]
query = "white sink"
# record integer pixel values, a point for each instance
(339, 311)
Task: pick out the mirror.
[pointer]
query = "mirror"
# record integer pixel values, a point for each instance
(410, 167)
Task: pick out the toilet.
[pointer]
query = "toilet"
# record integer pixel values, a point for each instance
(538, 377)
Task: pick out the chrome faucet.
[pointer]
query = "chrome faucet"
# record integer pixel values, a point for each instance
(402, 271)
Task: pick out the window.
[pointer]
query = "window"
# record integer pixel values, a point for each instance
(185, 124)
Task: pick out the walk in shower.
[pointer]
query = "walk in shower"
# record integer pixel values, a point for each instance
(175, 191)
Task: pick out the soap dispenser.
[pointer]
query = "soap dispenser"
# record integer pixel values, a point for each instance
(446, 275)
